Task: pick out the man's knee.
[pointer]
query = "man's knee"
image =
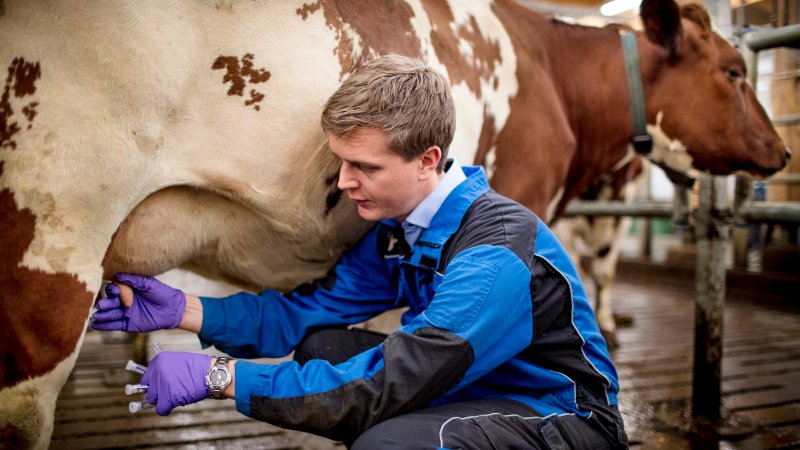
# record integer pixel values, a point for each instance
(394, 434)
(320, 344)
(336, 345)
(421, 431)
(368, 440)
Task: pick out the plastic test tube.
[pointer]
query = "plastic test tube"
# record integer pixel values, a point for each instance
(131, 389)
(135, 407)
(134, 367)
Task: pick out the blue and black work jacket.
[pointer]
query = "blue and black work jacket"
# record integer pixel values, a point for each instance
(495, 309)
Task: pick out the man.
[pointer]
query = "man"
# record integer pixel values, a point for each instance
(498, 349)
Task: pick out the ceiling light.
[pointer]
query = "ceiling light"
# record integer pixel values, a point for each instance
(615, 7)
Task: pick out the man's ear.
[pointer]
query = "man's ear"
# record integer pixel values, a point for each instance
(429, 161)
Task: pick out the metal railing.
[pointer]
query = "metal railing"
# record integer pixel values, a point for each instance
(750, 212)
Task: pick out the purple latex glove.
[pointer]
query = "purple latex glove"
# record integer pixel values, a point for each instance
(176, 379)
(155, 306)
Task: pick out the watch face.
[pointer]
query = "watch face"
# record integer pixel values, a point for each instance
(217, 377)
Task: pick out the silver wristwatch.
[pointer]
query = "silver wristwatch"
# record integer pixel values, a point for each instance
(219, 377)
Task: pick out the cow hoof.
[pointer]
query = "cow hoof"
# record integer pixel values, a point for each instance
(623, 320)
(611, 339)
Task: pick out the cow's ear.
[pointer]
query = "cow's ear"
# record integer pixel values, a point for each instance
(662, 23)
(698, 14)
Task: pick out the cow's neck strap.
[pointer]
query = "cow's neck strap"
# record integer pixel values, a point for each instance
(641, 140)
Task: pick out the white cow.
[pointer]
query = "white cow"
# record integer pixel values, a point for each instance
(189, 133)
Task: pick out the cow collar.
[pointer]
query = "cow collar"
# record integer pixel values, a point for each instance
(641, 140)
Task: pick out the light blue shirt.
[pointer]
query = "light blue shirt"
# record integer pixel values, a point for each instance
(420, 218)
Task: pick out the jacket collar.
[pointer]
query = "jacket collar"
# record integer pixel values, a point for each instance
(448, 218)
(428, 248)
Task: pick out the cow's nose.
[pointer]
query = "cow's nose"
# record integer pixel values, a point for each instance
(788, 153)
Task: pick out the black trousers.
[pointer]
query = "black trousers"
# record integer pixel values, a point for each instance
(482, 424)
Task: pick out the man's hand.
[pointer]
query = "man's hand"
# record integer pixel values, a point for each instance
(176, 379)
(155, 306)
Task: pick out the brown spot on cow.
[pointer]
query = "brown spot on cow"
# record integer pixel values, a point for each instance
(25, 76)
(308, 9)
(240, 74)
(21, 80)
(30, 112)
(394, 16)
(255, 97)
(12, 437)
(486, 139)
(28, 349)
(344, 47)
(485, 53)
(332, 199)
(370, 20)
(334, 193)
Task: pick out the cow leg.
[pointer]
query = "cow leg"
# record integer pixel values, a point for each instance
(44, 315)
(603, 305)
(27, 409)
(604, 271)
(582, 238)
(575, 234)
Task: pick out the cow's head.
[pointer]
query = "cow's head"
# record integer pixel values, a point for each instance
(696, 82)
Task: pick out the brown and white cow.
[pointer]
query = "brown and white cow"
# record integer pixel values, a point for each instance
(146, 135)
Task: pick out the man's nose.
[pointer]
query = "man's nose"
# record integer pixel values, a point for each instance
(346, 180)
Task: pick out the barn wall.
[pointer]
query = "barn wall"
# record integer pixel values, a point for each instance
(786, 101)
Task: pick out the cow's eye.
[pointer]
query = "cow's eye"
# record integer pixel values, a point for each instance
(734, 74)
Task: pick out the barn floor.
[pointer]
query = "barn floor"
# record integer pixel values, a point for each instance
(761, 380)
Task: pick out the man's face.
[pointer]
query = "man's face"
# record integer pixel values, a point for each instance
(381, 183)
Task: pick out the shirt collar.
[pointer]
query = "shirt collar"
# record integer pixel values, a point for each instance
(422, 215)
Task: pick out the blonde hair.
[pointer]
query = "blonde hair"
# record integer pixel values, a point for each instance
(401, 96)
